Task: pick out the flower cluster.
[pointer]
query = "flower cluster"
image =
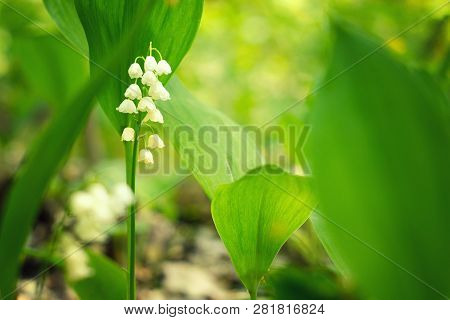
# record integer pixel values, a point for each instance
(145, 94)
(94, 210)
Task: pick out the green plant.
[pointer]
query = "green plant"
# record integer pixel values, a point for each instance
(380, 150)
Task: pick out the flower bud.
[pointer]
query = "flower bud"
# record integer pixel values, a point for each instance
(163, 68)
(146, 156)
(146, 104)
(127, 106)
(133, 92)
(150, 64)
(135, 71)
(128, 134)
(154, 141)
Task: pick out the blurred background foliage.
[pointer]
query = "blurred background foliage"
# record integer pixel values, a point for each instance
(251, 60)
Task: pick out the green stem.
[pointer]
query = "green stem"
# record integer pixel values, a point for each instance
(130, 158)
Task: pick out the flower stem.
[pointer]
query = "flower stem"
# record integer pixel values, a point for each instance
(130, 158)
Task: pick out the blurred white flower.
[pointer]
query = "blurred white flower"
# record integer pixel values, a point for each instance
(133, 92)
(146, 104)
(155, 116)
(127, 106)
(154, 141)
(150, 64)
(81, 202)
(95, 209)
(135, 71)
(158, 92)
(146, 156)
(75, 258)
(149, 78)
(121, 197)
(90, 229)
(163, 68)
(128, 134)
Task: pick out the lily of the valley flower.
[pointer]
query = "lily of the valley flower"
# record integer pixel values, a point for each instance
(133, 92)
(163, 68)
(135, 71)
(147, 91)
(146, 156)
(149, 78)
(76, 260)
(127, 106)
(146, 105)
(150, 64)
(154, 115)
(154, 141)
(128, 134)
(158, 92)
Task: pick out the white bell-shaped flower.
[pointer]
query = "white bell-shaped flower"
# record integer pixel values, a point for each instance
(146, 156)
(76, 260)
(154, 141)
(127, 106)
(163, 68)
(128, 134)
(149, 78)
(150, 64)
(133, 92)
(146, 104)
(81, 202)
(158, 92)
(155, 116)
(135, 71)
(123, 193)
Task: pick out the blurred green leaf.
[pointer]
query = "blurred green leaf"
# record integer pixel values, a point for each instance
(54, 71)
(65, 15)
(256, 215)
(380, 149)
(108, 281)
(41, 163)
(169, 25)
(212, 146)
(291, 283)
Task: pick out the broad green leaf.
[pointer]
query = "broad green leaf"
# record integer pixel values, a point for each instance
(256, 215)
(65, 15)
(212, 146)
(169, 25)
(108, 281)
(54, 71)
(380, 150)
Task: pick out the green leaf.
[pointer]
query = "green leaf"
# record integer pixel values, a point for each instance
(41, 163)
(380, 150)
(256, 215)
(108, 281)
(65, 15)
(293, 283)
(54, 71)
(213, 147)
(169, 25)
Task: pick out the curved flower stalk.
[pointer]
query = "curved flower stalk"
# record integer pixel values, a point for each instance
(139, 106)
